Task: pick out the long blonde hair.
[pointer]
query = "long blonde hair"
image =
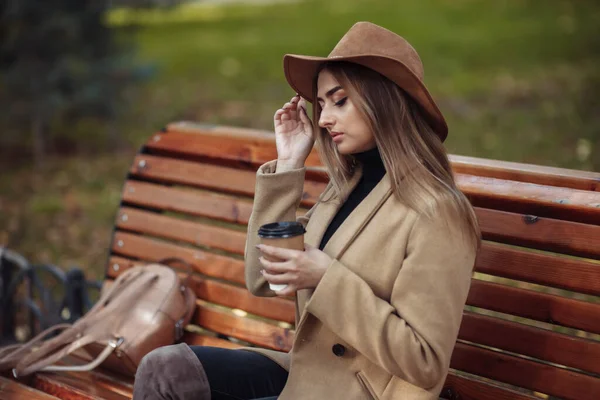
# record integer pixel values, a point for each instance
(414, 156)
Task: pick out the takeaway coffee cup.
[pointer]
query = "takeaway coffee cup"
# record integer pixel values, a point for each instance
(289, 235)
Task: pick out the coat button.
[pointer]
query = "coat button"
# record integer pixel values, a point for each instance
(338, 350)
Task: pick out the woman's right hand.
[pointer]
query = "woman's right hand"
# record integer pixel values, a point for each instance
(293, 134)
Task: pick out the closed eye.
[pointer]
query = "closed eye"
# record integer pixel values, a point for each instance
(341, 102)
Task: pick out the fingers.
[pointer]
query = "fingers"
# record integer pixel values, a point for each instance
(274, 267)
(289, 111)
(302, 112)
(277, 279)
(278, 252)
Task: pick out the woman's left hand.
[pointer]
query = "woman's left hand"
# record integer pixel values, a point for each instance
(298, 270)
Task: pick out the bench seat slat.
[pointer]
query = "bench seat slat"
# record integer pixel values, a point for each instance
(524, 373)
(548, 308)
(11, 389)
(560, 236)
(80, 386)
(469, 388)
(565, 273)
(250, 330)
(194, 339)
(218, 266)
(570, 351)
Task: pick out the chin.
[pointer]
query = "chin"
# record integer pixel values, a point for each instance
(345, 149)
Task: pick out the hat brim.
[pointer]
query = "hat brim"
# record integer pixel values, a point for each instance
(300, 71)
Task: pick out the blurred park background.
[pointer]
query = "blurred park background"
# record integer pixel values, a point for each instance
(84, 83)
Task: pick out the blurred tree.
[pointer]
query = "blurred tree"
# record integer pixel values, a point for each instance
(59, 62)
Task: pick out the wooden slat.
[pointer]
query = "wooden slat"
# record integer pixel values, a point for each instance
(528, 198)
(538, 343)
(246, 329)
(561, 272)
(276, 308)
(257, 147)
(541, 175)
(547, 201)
(243, 146)
(519, 302)
(525, 373)
(80, 387)
(566, 237)
(11, 389)
(182, 230)
(222, 267)
(467, 388)
(507, 227)
(208, 176)
(538, 306)
(196, 203)
(194, 339)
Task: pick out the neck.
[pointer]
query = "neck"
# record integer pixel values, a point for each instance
(373, 168)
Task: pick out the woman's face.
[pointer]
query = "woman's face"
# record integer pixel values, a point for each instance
(346, 126)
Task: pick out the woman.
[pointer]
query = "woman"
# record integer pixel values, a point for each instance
(390, 245)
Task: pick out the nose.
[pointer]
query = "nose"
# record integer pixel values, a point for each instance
(326, 120)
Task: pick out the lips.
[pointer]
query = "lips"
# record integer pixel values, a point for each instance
(334, 134)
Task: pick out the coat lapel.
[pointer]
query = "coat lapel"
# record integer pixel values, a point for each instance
(346, 233)
(358, 219)
(353, 224)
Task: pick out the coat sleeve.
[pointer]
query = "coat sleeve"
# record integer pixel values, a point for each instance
(277, 197)
(413, 335)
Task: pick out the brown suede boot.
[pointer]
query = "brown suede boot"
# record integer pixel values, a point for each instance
(171, 372)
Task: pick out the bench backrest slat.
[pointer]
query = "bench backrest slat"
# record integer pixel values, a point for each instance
(537, 306)
(532, 320)
(513, 171)
(531, 341)
(545, 269)
(565, 237)
(150, 195)
(521, 372)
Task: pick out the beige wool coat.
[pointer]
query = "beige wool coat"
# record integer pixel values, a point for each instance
(383, 321)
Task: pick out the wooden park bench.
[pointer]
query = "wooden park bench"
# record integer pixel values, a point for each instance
(531, 328)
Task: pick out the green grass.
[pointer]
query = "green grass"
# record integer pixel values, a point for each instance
(517, 80)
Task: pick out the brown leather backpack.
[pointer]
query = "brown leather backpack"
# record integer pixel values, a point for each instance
(145, 308)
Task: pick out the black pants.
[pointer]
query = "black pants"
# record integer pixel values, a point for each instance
(240, 375)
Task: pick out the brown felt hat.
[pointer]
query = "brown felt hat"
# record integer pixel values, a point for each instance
(376, 48)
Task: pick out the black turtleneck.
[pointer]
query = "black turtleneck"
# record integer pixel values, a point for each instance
(373, 171)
